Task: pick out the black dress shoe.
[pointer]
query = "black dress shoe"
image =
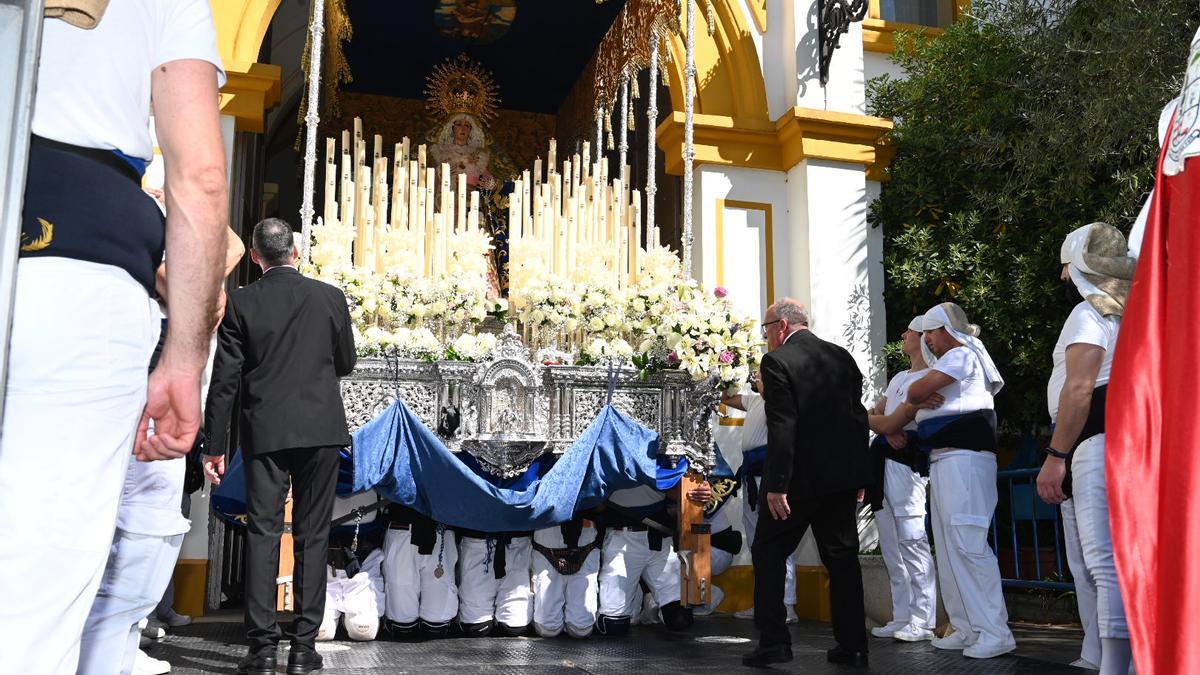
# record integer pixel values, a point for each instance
(765, 656)
(303, 661)
(257, 664)
(847, 657)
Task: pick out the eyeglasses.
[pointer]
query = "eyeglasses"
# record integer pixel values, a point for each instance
(763, 328)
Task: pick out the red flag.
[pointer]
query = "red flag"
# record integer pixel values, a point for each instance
(1153, 441)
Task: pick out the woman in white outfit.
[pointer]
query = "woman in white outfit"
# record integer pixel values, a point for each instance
(961, 435)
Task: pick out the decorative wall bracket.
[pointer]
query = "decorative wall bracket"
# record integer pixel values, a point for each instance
(833, 20)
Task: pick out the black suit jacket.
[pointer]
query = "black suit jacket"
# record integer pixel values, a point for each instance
(817, 434)
(284, 343)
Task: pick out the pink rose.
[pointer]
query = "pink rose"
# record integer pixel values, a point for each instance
(726, 357)
(720, 291)
(673, 357)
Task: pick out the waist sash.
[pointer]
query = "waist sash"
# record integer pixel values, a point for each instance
(751, 468)
(1093, 426)
(975, 430)
(567, 560)
(87, 204)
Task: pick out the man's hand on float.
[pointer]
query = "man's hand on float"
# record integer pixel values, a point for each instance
(934, 402)
(778, 504)
(898, 440)
(173, 403)
(1050, 480)
(700, 494)
(214, 468)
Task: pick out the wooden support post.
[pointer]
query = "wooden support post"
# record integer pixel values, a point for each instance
(695, 547)
(285, 599)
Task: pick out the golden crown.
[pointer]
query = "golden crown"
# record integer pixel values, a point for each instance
(459, 85)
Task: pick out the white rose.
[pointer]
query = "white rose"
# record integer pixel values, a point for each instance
(596, 324)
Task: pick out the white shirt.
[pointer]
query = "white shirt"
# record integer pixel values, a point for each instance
(754, 426)
(968, 392)
(93, 87)
(1085, 325)
(897, 391)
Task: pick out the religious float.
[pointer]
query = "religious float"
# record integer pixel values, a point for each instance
(504, 316)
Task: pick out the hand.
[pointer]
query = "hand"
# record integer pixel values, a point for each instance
(160, 283)
(214, 468)
(173, 402)
(898, 440)
(700, 494)
(934, 402)
(1050, 480)
(862, 494)
(777, 503)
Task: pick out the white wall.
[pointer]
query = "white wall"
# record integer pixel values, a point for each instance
(876, 64)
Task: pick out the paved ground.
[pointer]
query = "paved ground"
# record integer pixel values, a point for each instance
(214, 645)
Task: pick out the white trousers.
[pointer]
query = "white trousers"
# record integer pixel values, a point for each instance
(138, 571)
(81, 341)
(905, 546)
(569, 600)
(749, 523)
(358, 601)
(625, 558)
(483, 597)
(964, 500)
(1090, 550)
(412, 589)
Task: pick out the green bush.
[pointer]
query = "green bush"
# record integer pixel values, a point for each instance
(1023, 121)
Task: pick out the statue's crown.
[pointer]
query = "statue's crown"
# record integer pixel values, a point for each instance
(459, 85)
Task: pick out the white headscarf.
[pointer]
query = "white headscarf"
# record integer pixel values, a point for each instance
(917, 324)
(951, 317)
(1097, 260)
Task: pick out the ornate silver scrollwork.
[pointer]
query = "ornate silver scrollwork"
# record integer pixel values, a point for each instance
(507, 411)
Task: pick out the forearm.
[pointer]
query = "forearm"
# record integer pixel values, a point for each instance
(234, 250)
(893, 423)
(197, 219)
(1073, 406)
(734, 401)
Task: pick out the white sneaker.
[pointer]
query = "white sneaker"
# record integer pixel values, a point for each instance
(956, 641)
(1084, 663)
(144, 664)
(888, 630)
(747, 613)
(987, 648)
(911, 633)
(791, 615)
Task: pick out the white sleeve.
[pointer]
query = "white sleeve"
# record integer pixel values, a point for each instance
(956, 363)
(186, 31)
(750, 400)
(1086, 326)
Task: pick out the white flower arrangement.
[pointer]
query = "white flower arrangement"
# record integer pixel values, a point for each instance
(472, 347)
(602, 351)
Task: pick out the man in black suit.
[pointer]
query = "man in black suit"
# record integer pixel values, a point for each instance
(284, 343)
(817, 462)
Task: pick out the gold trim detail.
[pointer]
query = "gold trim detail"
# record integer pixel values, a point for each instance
(879, 35)
(42, 242)
(801, 133)
(768, 236)
(249, 93)
(758, 9)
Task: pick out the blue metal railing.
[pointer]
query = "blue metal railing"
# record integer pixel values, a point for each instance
(1027, 535)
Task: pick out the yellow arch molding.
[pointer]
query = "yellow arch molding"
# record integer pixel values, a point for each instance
(252, 87)
(729, 79)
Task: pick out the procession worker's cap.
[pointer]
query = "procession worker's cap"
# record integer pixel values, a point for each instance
(952, 317)
(917, 324)
(1097, 259)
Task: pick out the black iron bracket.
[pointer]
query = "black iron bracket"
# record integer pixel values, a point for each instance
(833, 20)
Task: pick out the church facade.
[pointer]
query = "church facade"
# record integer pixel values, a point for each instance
(787, 163)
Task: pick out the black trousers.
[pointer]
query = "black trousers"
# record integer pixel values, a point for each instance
(833, 519)
(313, 473)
